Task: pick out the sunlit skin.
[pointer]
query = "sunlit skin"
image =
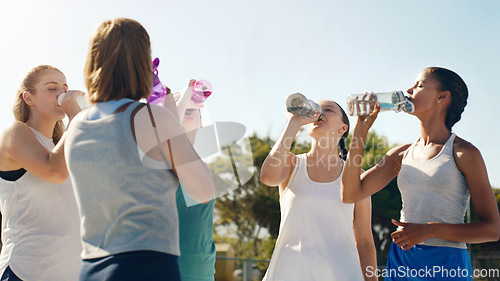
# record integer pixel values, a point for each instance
(44, 108)
(331, 120)
(18, 145)
(431, 105)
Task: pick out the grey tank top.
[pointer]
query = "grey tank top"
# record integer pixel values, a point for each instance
(433, 190)
(124, 205)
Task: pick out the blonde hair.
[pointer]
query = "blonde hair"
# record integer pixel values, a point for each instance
(119, 62)
(28, 84)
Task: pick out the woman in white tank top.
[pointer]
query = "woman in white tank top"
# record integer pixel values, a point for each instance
(40, 222)
(436, 176)
(320, 237)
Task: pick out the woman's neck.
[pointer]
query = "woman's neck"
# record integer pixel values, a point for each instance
(433, 132)
(323, 146)
(44, 126)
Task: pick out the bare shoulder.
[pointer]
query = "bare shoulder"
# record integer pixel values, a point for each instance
(12, 141)
(461, 146)
(396, 153)
(157, 116)
(156, 112)
(399, 150)
(466, 153)
(16, 130)
(15, 127)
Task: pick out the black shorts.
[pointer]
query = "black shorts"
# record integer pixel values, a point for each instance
(131, 266)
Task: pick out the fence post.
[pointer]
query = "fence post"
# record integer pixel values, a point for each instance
(246, 270)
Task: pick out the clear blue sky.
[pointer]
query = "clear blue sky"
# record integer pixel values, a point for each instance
(257, 52)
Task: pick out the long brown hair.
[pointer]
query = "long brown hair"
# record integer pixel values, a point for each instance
(119, 63)
(21, 108)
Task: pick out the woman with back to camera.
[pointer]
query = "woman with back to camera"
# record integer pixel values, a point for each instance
(40, 222)
(320, 237)
(437, 175)
(126, 160)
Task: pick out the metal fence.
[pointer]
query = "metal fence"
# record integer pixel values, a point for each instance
(487, 266)
(245, 269)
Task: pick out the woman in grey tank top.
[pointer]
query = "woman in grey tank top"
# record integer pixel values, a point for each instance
(126, 160)
(436, 176)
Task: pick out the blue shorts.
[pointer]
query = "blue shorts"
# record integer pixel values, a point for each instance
(424, 262)
(131, 266)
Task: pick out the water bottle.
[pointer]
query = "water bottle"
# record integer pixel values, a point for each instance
(158, 92)
(364, 104)
(298, 104)
(202, 89)
(81, 100)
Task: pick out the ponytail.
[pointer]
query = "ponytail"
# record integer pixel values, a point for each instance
(343, 149)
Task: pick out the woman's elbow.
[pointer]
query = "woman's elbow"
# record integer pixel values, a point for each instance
(495, 233)
(346, 197)
(266, 179)
(57, 176)
(365, 243)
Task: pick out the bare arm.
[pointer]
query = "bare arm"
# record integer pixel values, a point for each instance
(278, 164)
(364, 237)
(191, 124)
(21, 149)
(170, 104)
(354, 186)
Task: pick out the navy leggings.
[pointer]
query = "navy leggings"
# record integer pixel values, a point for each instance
(8, 275)
(132, 266)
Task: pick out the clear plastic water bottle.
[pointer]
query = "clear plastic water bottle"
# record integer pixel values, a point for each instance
(363, 104)
(298, 104)
(202, 89)
(81, 100)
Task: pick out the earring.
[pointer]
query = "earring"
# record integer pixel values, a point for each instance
(438, 101)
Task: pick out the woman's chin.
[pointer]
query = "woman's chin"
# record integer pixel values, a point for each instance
(60, 114)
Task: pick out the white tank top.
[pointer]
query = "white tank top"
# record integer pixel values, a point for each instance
(40, 227)
(316, 239)
(433, 190)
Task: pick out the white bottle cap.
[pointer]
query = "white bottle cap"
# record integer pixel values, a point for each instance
(60, 98)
